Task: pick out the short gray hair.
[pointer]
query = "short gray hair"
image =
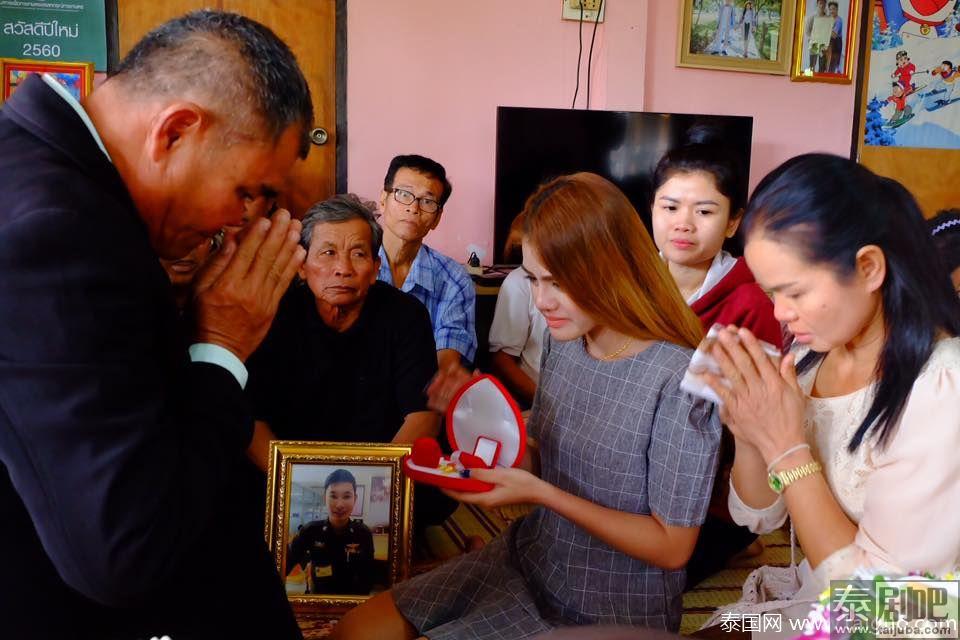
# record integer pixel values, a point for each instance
(238, 66)
(341, 208)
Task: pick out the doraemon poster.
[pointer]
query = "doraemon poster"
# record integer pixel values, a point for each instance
(913, 91)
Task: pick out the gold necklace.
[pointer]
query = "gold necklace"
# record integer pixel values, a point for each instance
(611, 356)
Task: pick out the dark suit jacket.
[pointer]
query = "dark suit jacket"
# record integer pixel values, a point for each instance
(118, 456)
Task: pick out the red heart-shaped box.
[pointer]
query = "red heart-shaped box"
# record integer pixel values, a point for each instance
(483, 420)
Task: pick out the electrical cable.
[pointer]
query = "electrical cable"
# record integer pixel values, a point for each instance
(596, 21)
(573, 105)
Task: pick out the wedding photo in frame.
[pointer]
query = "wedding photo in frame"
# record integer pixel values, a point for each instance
(77, 77)
(826, 40)
(338, 520)
(755, 36)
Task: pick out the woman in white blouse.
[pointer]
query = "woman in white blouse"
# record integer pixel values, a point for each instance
(858, 443)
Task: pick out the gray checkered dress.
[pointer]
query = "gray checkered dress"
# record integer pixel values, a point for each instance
(620, 434)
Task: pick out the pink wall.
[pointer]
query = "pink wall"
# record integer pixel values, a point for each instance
(426, 77)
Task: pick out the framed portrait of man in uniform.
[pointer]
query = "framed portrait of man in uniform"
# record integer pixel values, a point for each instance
(338, 520)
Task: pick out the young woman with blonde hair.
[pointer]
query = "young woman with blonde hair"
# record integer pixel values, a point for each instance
(624, 464)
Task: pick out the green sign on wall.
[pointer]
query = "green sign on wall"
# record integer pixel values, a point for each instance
(70, 31)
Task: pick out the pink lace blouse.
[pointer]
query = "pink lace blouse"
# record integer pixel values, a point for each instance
(905, 498)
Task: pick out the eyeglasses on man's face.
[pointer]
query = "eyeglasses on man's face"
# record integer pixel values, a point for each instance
(426, 205)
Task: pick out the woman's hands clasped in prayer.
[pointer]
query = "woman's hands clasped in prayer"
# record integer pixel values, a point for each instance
(763, 404)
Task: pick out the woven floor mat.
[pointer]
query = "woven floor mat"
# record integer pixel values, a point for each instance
(453, 538)
(726, 586)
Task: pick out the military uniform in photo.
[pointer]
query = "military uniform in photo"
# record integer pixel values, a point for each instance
(338, 562)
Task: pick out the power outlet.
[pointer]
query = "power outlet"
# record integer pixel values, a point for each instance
(571, 10)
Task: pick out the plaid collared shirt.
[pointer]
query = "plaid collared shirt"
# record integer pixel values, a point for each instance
(446, 290)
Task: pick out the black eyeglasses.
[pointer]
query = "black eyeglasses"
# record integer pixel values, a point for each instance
(426, 205)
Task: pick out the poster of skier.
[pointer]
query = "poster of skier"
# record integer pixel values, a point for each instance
(913, 88)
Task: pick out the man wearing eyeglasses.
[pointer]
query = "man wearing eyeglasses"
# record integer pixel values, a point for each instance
(414, 192)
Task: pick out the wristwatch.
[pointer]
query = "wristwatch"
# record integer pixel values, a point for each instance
(780, 480)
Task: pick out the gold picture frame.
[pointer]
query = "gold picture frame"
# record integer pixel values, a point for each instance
(723, 35)
(832, 60)
(76, 77)
(312, 552)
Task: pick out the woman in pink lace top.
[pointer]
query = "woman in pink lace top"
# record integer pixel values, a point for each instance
(853, 436)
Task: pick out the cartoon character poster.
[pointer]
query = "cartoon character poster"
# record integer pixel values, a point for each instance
(913, 92)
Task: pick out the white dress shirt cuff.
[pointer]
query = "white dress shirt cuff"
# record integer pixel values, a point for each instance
(215, 354)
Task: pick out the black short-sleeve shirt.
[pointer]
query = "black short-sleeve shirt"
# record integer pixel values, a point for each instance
(340, 561)
(310, 382)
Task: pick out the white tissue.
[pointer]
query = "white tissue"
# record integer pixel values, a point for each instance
(693, 384)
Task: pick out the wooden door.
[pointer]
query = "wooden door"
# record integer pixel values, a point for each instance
(309, 28)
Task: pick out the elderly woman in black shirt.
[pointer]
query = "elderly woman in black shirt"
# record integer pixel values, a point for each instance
(347, 357)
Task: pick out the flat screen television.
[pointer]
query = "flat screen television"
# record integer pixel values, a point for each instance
(535, 145)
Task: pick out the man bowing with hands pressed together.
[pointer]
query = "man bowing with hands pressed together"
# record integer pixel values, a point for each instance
(119, 448)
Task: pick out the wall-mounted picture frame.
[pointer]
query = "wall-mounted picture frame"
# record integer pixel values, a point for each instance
(77, 77)
(824, 48)
(755, 36)
(335, 542)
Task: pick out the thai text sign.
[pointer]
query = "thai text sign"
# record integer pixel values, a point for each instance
(70, 31)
